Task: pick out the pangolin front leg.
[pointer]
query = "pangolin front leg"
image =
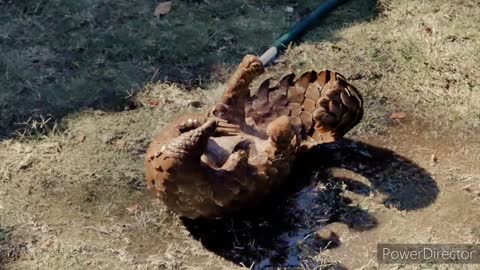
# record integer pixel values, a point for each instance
(180, 156)
(223, 128)
(232, 104)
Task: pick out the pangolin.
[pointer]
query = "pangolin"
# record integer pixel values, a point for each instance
(241, 149)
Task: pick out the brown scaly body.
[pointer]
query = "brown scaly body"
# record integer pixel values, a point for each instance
(242, 149)
(321, 106)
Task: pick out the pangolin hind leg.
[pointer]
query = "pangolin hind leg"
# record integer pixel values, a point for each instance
(284, 141)
(281, 132)
(232, 178)
(232, 104)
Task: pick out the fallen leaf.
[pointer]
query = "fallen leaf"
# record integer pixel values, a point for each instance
(153, 103)
(163, 8)
(428, 30)
(398, 115)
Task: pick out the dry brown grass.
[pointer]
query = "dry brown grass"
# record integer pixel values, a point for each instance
(64, 194)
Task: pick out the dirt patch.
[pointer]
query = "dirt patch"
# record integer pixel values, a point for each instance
(449, 218)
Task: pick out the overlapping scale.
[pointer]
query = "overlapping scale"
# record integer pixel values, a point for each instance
(323, 105)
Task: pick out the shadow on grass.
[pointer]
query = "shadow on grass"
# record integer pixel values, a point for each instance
(61, 57)
(285, 231)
